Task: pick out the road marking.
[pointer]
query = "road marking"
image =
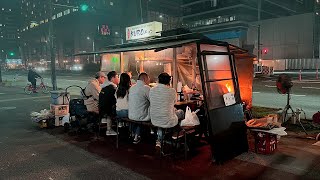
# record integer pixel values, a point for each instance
(2, 93)
(7, 108)
(255, 92)
(19, 99)
(310, 88)
(298, 95)
(270, 86)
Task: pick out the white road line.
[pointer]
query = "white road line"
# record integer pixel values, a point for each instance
(310, 88)
(255, 92)
(19, 99)
(298, 95)
(2, 93)
(270, 86)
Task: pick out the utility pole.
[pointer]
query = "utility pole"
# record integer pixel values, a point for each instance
(259, 32)
(51, 47)
(94, 55)
(0, 70)
(141, 11)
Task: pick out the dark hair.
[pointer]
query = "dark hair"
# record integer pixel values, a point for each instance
(124, 85)
(111, 74)
(164, 78)
(142, 76)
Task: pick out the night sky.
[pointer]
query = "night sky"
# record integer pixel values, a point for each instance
(9, 3)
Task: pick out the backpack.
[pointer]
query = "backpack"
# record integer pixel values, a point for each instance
(83, 94)
(316, 117)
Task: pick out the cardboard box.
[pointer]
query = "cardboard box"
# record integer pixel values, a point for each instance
(61, 120)
(59, 110)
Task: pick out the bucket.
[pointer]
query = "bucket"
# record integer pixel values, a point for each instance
(60, 98)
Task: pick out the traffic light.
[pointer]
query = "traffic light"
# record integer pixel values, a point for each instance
(265, 51)
(84, 7)
(11, 53)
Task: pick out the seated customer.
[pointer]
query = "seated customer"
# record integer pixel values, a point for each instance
(122, 95)
(91, 92)
(162, 101)
(139, 103)
(107, 101)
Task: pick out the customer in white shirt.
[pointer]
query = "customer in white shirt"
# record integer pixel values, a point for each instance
(139, 103)
(162, 100)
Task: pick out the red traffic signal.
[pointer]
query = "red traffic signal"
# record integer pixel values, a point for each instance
(265, 51)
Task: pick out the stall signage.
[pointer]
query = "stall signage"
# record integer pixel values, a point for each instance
(143, 30)
(229, 99)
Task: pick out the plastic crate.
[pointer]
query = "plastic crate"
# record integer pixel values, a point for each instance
(265, 143)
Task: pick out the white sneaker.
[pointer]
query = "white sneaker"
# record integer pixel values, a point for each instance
(121, 124)
(158, 144)
(104, 120)
(111, 133)
(151, 131)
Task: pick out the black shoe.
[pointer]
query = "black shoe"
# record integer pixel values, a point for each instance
(35, 92)
(136, 140)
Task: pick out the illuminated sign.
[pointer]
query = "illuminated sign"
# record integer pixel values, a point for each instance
(105, 30)
(144, 30)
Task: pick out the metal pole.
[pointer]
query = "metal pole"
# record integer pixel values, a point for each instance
(52, 53)
(0, 69)
(141, 11)
(94, 55)
(259, 17)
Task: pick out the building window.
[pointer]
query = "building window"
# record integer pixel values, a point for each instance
(66, 12)
(59, 15)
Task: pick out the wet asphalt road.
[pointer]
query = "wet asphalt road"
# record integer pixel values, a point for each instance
(26, 152)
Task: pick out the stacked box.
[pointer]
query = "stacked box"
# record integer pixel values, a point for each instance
(61, 120)
(59, 110)
(61, 114)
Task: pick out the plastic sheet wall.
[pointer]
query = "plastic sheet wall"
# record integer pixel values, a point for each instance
(245, 75)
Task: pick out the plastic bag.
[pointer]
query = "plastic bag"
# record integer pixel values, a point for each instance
(191, 118)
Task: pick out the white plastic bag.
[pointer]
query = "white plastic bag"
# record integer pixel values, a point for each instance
(191, 118)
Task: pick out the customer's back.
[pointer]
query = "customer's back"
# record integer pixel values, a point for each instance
(162, 100)
(139, 103)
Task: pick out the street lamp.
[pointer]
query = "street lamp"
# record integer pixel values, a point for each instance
(93, 49)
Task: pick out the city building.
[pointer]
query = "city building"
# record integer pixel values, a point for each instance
(9, 30)
(78, 26)
(284, 29)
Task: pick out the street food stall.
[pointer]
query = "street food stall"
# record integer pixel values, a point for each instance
(221, 72)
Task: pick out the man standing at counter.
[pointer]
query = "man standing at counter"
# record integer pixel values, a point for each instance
(162, 111)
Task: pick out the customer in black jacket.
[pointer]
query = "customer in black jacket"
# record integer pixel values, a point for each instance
(107, 101)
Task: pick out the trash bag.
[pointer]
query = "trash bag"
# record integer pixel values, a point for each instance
(191, 118)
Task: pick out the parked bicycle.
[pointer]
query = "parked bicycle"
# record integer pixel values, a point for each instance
(29, 89)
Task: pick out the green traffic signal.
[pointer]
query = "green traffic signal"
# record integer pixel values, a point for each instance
(11, 53)
(84, 7)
